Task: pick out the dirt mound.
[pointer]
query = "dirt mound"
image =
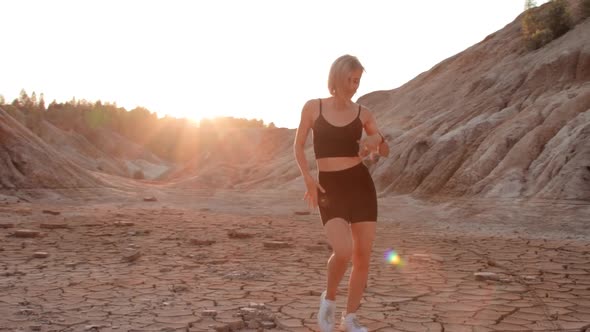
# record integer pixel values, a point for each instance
(26, 161)
(80, 151)
(493, 121)
(131, 156)
(241, 158)
(108, 153)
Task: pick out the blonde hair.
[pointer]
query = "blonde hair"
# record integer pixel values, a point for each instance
(339, 70)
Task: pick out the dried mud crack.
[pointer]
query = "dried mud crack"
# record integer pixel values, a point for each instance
(155, 268)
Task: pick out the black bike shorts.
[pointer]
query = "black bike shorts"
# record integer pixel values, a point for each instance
(350, 195)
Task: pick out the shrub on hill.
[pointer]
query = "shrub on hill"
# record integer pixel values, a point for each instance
(542, 25)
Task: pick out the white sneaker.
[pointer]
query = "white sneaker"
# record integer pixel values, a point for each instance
(326, 314)
(350, 323)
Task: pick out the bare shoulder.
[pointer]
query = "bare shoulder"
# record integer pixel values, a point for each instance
(312, 104)
(311, 109)
(366, 114)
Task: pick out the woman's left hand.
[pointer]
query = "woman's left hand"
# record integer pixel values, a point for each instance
(370, 145)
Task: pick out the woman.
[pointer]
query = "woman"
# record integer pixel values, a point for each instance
(344, 192)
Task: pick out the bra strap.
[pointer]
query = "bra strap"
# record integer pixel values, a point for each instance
(320, 99)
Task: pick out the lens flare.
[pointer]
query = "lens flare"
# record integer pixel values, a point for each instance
(393, 258)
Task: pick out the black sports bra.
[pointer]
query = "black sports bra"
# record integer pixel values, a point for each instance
(336, 141)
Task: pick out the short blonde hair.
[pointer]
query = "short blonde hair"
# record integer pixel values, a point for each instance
(340, 68)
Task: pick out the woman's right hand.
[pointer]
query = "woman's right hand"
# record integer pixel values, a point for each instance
(311, 195)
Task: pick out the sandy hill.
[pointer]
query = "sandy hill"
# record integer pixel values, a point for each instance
(29, 162)
(493, 121)
(241, 158)
(110, 154)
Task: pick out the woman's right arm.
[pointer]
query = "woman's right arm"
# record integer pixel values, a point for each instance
(311, 195)
(301, 137)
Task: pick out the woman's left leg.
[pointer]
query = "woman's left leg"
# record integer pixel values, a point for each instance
(363, 235)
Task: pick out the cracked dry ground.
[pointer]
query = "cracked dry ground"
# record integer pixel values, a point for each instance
(152, 268)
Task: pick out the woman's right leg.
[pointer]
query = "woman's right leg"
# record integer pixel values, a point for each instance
(339, 237)
(338, 233)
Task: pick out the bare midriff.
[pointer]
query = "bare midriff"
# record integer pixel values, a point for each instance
(332, 164)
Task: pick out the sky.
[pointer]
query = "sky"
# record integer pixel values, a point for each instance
(255, 59)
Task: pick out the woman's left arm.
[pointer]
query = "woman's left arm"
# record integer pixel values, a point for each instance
(375, 141)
